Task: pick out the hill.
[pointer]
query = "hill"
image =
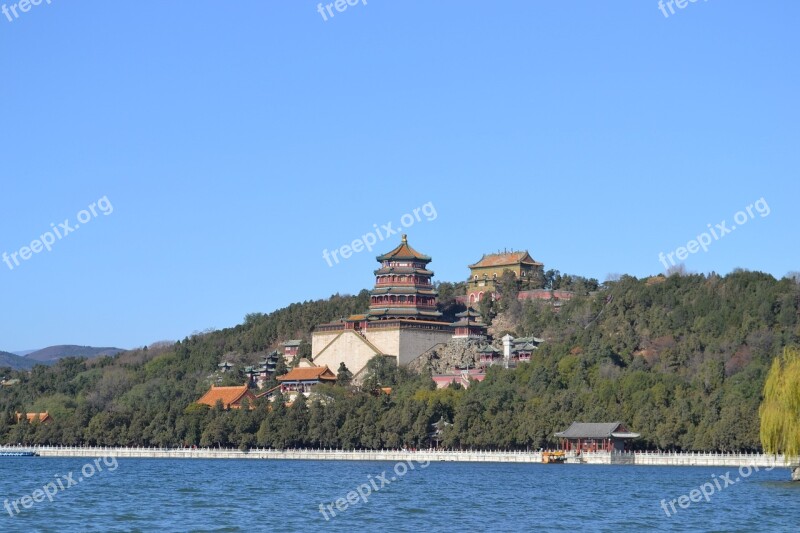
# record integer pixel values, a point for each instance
(681, 360)
(15, 362)
(54, 353)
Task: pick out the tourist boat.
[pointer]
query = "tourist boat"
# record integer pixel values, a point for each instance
(554, 457)
(17, 453)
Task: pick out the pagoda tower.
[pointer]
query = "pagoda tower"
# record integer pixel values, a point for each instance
(403, 287)
(469, 325)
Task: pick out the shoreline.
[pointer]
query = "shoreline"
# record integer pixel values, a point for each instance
(597, 458)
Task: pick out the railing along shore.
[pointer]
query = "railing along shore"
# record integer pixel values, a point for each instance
(649, 458)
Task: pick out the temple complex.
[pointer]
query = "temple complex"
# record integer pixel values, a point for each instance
(402, 321)
(485, 273)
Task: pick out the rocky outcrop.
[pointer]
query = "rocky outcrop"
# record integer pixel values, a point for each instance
(457, 353)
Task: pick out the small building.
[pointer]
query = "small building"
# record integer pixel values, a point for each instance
(303, 379)
(224, 366)
(42, 418)
(462, 377)
(437, 435)
(291, 348)
(469, 325)
(489, 355)
(519, 349)
(583, 437)
(231, 397)
(260, 375)
(270, 362)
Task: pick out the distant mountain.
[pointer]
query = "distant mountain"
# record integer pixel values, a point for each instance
(15, 362)
(23, 353)
(54, 353)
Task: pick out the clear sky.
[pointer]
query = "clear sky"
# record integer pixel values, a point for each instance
(236, 141)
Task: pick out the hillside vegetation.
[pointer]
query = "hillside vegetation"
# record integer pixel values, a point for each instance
(682, 360)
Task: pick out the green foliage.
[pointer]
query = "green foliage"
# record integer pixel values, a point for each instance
(343, 375)
(780, 410)
(682, 360)
(488, 308)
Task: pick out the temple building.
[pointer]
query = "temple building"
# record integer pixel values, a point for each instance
(463, 377)
(485, 273)
(607, 437)
(231, 397)
(469, 325)
(290, 349)
(402, 321)
(489, 355)
(303, 379)
(403, 287)
(32, 418)
(519, 349)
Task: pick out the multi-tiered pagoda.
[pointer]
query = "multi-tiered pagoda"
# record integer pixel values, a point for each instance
(403, 288)
(402, 321)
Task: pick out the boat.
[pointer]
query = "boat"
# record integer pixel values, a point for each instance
(20, 453)
(554, 457)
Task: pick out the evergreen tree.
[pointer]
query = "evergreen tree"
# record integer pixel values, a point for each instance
(343, 375)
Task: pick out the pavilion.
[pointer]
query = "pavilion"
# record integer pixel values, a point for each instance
(613, 436)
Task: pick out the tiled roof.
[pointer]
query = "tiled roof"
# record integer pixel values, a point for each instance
(506, 259)
(404, 251)
(268, 393)
(404, 289)
(33, 417)
(580, 430)
(293, 342)
(403, 270)
(400, 311)
(527, 347)
(228, 395)
(313, 373)
(473, 323)
(525, 340)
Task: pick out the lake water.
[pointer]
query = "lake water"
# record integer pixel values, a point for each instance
(226, 495)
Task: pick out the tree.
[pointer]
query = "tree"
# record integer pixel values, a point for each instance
(381, 371)
(487, 308)
(280, 366)
(343, 375)
(507, 289)
(304, 350)
(780, 409)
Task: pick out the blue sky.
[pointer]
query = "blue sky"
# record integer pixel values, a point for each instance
(236, 141)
